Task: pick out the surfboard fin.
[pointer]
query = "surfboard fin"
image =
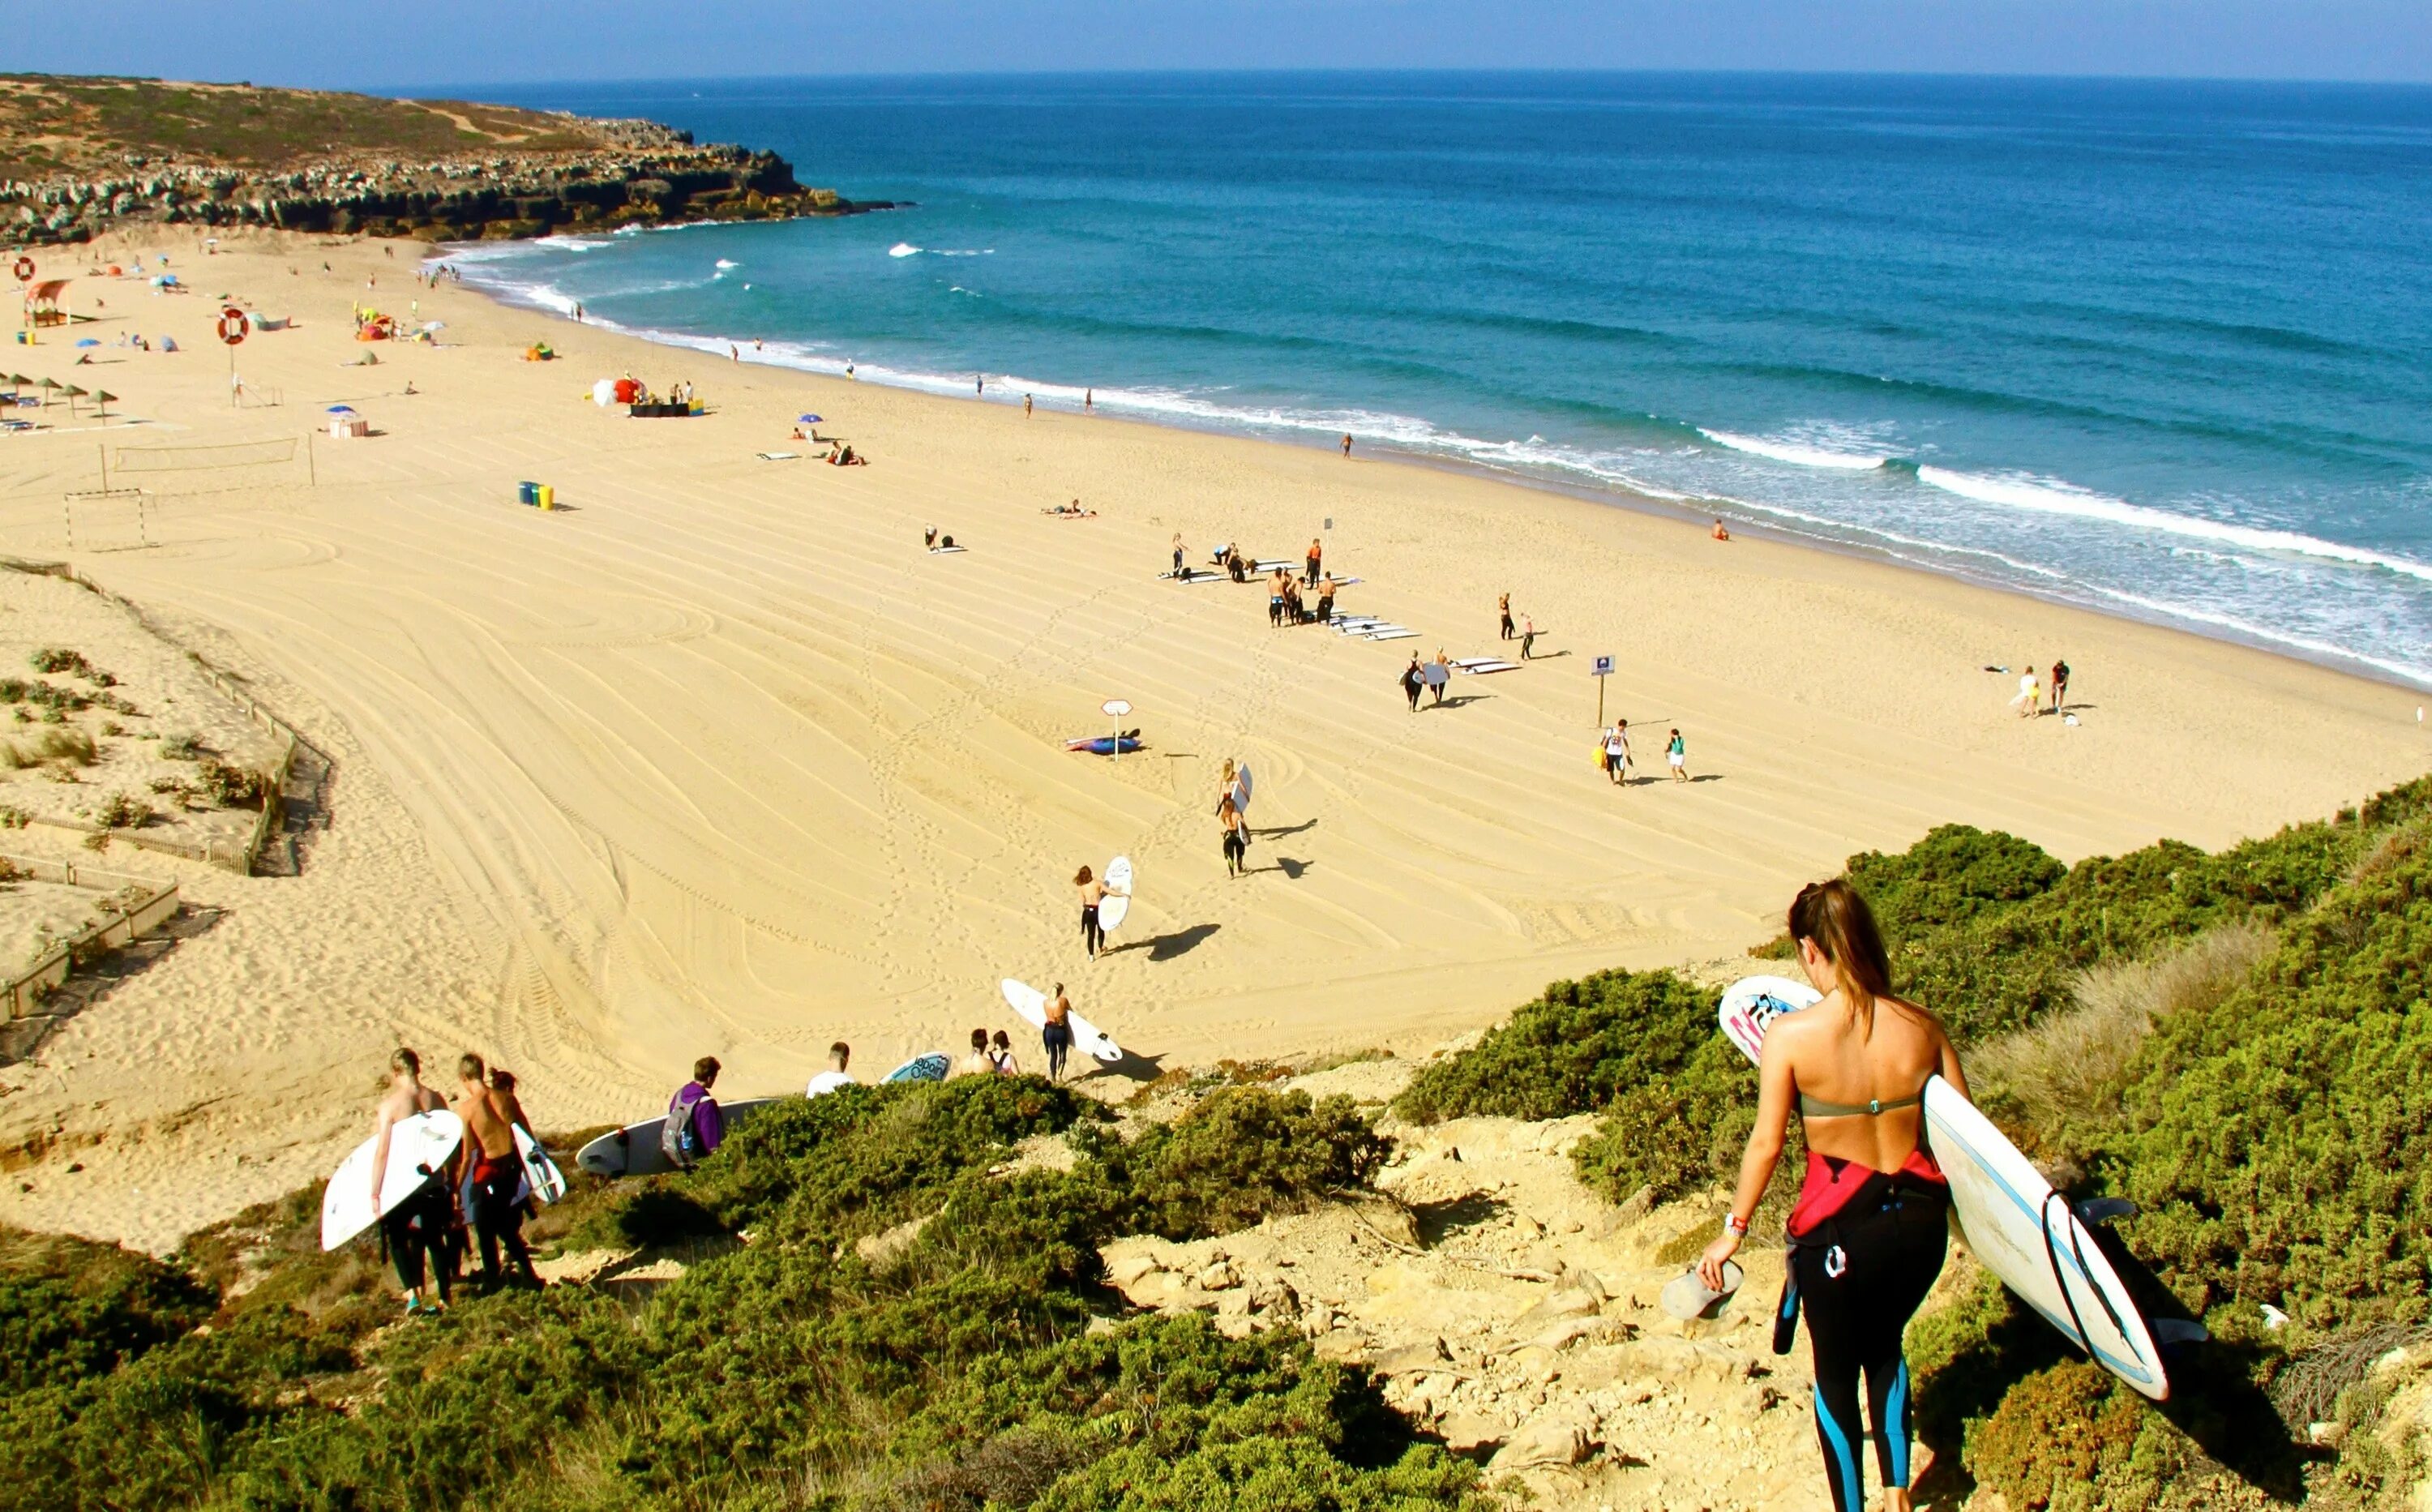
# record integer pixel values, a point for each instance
(2178, 1333)
(2094, 1212)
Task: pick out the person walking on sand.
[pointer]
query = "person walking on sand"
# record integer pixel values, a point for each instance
(496, 1177)
(1869, 1230)
(1178, 553)
(1088, 400)
(1616, 752)
(2030, 700)
(1413, 681)
(1025, 406)
(1092, 894)
(1000, 1056)
(2059, 686)
(1346, 443)
(416, 1228)
(1503, 608)
(840, 1057)
(695, 1126)
(1527, 637)
(1056, 1033)
(1676, 756)
(1438, 676)
(1236, 836)
(1316, 552)
(1275, 599)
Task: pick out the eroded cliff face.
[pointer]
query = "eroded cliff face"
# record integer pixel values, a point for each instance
(93, 155)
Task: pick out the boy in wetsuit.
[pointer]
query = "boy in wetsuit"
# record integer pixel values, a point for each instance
(416, 1228)
(497, 1172)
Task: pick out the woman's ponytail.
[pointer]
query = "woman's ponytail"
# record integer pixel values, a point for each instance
(1836, 918)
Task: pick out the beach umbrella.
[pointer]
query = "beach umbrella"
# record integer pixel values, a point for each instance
(74, 394)
(808, 420)
(87, 341)
(104, 395)
(342, 409)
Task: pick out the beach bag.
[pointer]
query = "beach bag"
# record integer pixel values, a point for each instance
(678, 1141)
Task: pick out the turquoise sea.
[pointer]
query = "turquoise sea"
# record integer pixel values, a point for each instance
(2160, 349)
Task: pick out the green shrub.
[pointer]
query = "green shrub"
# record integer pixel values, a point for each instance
(1679, 1130)
(1954, 874)
(1568, 1052)
(1241, 1154)
(2066, 1439)
(70, 1309)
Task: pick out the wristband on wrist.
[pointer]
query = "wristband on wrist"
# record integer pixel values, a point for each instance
(1734, 1223)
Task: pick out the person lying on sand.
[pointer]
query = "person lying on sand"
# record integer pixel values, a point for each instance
(415, 1228)
(1070, 511)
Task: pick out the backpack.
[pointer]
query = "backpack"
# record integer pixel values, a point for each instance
(678, 1140)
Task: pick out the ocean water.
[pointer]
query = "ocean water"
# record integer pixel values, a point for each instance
(2160, 349)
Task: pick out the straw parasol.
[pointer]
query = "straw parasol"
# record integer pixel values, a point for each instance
(104, 397)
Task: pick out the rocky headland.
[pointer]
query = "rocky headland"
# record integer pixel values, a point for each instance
(92, 155)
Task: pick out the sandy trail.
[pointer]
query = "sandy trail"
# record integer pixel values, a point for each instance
(718, 760)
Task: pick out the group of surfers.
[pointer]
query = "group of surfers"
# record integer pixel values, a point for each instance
(484, 1186)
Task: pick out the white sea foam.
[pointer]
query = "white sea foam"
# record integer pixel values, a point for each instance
(2405, 671)
(724, 264)
(574, 244)
(1798, 453)
(2046, 497)
(904, 249)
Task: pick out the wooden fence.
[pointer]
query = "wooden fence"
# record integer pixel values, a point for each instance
(239, 857)
(155, 905)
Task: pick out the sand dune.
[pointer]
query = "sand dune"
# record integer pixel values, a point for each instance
(718, 760)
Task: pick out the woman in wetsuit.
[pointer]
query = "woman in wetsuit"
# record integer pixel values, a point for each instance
(1092, 894)
(1869, 1230)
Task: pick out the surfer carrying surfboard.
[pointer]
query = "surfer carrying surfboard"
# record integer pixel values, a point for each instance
(1871, 1222)
(1092, 894)
(497, 1213)
(416, 1228)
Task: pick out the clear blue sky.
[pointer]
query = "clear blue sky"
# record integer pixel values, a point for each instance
(373, 43)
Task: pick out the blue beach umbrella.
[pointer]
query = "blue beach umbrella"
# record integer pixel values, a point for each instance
(87, 341)
(808, 420)
(342, 409)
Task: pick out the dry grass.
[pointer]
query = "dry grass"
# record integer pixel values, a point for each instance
(61, 743)
(2074, 1062)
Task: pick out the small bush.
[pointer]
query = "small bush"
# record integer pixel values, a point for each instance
(2072, 1440)
(229, 787)
(181, 747)
(70, 1309)
(1241, 1154)
(51, 659)
(1571, 1051)
(123, 811)
(64, 744)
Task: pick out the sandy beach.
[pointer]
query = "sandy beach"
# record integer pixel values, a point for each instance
(716, 760)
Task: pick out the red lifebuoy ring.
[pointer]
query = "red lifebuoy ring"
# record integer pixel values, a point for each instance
(233, 325)
(25, 270)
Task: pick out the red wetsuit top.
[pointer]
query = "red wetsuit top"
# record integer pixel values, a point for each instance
(1832, 1184)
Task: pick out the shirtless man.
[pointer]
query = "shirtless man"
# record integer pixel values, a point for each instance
(418, 1226)
(496, 1171)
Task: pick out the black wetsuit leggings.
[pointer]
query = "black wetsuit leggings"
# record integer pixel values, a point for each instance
(499, 1220)
(1057, 1041)
(1859, 1285)
(418, 1227)
(1093, 938)
(1237, 851)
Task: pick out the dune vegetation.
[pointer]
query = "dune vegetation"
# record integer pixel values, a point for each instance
(892, 1296)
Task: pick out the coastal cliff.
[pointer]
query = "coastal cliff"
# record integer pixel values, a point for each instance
(88, 155)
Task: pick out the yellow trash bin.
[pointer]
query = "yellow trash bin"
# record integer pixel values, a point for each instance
(548, 496)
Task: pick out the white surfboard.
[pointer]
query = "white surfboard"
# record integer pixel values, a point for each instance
(1753, 1002)
(2015, 1223)
(1241, 790)
(633, 1151)
(1030, 1004)
(1117, 904)
(547, 1181)
(930, 1065)
(418, 1147)
(2027, 1234)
